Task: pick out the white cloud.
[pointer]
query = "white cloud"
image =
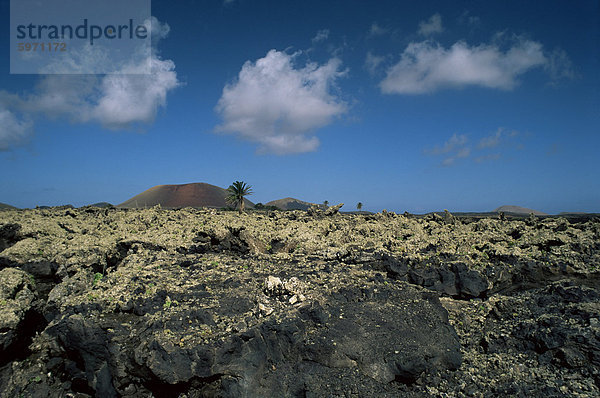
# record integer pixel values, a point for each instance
(458, 147)
(377, 30)
(453, 149)
(494, 140)
(425, 67)
(460, 153)
(431, 26)
(117, 101)
(491, 141)
(467, 18)
(373, 62)
(559, 66)
(449, 161)
(280, 106)
(157, 29)
(61, 96)
(127, 99)
(321, 35)
(90, 58)
(12, 130)
(455, 143)
(463, 153)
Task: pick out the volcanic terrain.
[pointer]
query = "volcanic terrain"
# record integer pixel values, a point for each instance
(206, 303)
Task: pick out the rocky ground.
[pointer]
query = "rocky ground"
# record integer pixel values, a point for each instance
(201, 303)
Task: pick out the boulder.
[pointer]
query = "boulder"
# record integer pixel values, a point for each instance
(9, 235)
(388, 334)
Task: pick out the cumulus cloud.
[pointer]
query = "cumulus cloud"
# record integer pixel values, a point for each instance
(321, 35)
(12, 130)
(59, 96)
(431, 26)
(116, 101)
(127, 99)
(157, 29)
(426, 66)
(280, 106)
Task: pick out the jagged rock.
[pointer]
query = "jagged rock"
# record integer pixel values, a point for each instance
(561, 332)
(449, 218)
(16, 299)
(332, 210)
(175, 303)
(90, 348)
(394, 342)
(274, 286)
(314, 210)
(455, 279)
(9, 235)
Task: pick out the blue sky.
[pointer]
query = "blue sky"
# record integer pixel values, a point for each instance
(402, 105)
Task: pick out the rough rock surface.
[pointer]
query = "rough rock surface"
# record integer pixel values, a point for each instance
(16, 299)
(201, 303)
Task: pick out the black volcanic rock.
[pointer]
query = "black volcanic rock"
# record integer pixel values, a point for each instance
(9, 235)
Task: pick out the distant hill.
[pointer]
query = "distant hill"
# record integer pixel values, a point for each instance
(4, 206)
(573, 213)
(101, 205)
(518, 210)
(170, 196)
(289, 204)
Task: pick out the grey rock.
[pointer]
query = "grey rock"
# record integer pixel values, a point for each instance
(332, 210)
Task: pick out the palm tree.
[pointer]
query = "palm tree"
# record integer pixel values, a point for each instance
(236, 193)
(359, 206)
(326, 203)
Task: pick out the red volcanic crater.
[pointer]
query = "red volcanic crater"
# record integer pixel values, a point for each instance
(171, 196)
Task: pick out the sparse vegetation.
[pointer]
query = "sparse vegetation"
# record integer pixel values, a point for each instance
(219, 274)
(236, 193)
(168, 303)
(97, 278)
(260, 206)
(149, 289)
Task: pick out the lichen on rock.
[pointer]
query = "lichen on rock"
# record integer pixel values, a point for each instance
(198, 302)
